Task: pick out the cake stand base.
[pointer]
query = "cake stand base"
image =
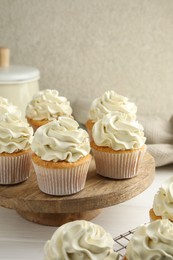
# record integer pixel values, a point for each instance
(58, 219)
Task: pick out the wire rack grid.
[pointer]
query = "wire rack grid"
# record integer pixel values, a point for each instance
(121, 242)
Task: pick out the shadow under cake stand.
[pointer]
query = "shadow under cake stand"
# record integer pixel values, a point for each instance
(99, 192)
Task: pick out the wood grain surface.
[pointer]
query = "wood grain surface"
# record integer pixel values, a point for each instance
(99, 192)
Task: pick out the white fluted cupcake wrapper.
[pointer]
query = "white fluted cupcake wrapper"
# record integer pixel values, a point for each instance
(14, 169)
(118, 165)
(62, 181)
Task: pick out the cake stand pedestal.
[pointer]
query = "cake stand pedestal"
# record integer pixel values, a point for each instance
(99, 192)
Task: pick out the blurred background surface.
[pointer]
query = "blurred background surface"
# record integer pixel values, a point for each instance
(83, 48)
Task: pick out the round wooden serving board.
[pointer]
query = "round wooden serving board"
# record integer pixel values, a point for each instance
(99, 192)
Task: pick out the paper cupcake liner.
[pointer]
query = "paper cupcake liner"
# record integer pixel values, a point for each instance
(14, 169)
(61, 181)
(118, 165)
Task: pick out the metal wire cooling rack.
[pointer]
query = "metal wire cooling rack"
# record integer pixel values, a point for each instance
(121, 242)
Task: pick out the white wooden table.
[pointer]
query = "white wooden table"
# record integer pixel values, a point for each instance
(21, 239)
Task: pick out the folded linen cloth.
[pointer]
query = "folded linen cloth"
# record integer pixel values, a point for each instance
(159, 134)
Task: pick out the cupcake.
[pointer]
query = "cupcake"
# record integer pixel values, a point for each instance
(15, 141)
(118, 146)
(151, 241)
(61, 156)
(79, 240)
(46, 106)
(110, 101)
(163, 202)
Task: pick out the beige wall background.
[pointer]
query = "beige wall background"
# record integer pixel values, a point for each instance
(85, 47)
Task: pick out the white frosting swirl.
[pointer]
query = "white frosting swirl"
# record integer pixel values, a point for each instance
(118, 132)
(15, 134)
(110, 101)
(60, 140)
(80, 240)
(163, 200)
(7, 107)
(47, 104)
(152, 241)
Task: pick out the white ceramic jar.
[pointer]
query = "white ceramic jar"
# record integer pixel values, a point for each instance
(17, 83)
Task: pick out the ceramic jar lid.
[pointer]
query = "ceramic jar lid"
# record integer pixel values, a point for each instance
(15, 74)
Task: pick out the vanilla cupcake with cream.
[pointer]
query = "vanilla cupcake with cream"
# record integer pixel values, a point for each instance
(46, 106)
(108, 102)
(15, 141)
(163, 202)
(118, 146)
(80, 240)
(151, 241)
(61, 156)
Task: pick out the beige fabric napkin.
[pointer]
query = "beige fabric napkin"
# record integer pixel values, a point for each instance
(159, 134)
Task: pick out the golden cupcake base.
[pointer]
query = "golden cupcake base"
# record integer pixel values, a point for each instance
(153, 216)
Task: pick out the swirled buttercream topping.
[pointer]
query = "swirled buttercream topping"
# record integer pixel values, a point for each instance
(7, 107)
(80, 240)
(61, 140)
(110, 101)
(163, 200)
(15, 134)
(47, 104)
(152, 241)
(118, 132)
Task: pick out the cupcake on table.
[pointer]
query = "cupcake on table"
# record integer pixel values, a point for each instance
(61, 156)
(163, 202)
(45, 106)
(79, 240)
(151, 241)
(110, 101)
(15, 140)
(118, 146)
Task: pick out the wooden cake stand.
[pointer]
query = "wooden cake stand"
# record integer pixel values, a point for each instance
(99, 192)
